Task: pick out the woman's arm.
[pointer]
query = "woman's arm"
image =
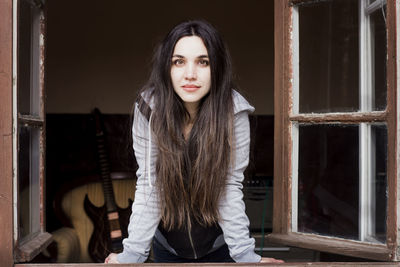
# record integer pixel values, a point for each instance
(145, 215)
(233, 219)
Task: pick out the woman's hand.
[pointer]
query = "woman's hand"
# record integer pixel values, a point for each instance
(112, 258)
(272, 260)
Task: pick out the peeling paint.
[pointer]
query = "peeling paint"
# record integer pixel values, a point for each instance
(41, 39)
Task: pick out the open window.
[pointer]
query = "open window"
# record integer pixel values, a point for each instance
(29, 131)
(335, 156)
(335, 119)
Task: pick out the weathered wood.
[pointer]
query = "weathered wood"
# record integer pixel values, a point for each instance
(392, 183)
(42, 93)
(282, 198)
(334, 245)
(350, 117)
(30, 249)
(396, 98)
(6, 136)
(29, 120)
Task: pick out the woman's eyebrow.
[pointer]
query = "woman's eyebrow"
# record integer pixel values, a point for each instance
(180, 56)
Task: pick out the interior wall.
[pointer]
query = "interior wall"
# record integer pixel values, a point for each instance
(98, 52)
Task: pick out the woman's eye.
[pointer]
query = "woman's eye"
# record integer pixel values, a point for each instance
(204, 62)
(178, 62)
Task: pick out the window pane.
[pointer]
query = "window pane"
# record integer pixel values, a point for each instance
(328, 180)
(328, 56)
(331, 199)
(28, 181)
(28, 59)
(379, 52)
(379, 186)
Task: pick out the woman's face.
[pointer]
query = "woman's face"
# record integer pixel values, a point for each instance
(190, 71)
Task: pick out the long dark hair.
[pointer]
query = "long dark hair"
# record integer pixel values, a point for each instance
(192, 173)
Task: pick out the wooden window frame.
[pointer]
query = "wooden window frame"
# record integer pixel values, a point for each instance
(282, 232)
(30, 246)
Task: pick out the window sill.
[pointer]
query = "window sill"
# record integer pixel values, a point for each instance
(31, 248)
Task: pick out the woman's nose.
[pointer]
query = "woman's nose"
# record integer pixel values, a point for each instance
(190, 72)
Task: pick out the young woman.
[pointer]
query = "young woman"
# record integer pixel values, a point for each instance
(191, 138)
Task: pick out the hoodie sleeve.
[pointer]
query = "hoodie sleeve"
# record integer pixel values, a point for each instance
(233, 219)
(145, 215)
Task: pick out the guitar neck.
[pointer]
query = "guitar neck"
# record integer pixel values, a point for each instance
(104, 165)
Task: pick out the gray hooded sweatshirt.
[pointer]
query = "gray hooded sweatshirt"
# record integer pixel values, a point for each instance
(145, 216)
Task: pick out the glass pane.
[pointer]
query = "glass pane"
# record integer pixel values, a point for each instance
(331, 200)
(328, 180)
(379, 183)
(328, 56)
(28, 181)
(379, 52)
(28, 59)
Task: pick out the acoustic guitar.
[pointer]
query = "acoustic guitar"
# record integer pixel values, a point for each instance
(110, 221)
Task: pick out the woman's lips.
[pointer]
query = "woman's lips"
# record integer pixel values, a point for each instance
(190, 87)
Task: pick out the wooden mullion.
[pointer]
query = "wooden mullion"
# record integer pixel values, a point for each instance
(42, 53)
(282, 196)
(353, 117)
(42, 160)
(29, 120)
(42, 178)
(334, 245)
(392, 146)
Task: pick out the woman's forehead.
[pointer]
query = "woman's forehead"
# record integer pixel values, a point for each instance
(190, 46)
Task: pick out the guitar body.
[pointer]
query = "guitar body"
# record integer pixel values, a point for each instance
(101, 244)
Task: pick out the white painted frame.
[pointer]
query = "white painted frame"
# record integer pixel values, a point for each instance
(367, 209)
(366, 198)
